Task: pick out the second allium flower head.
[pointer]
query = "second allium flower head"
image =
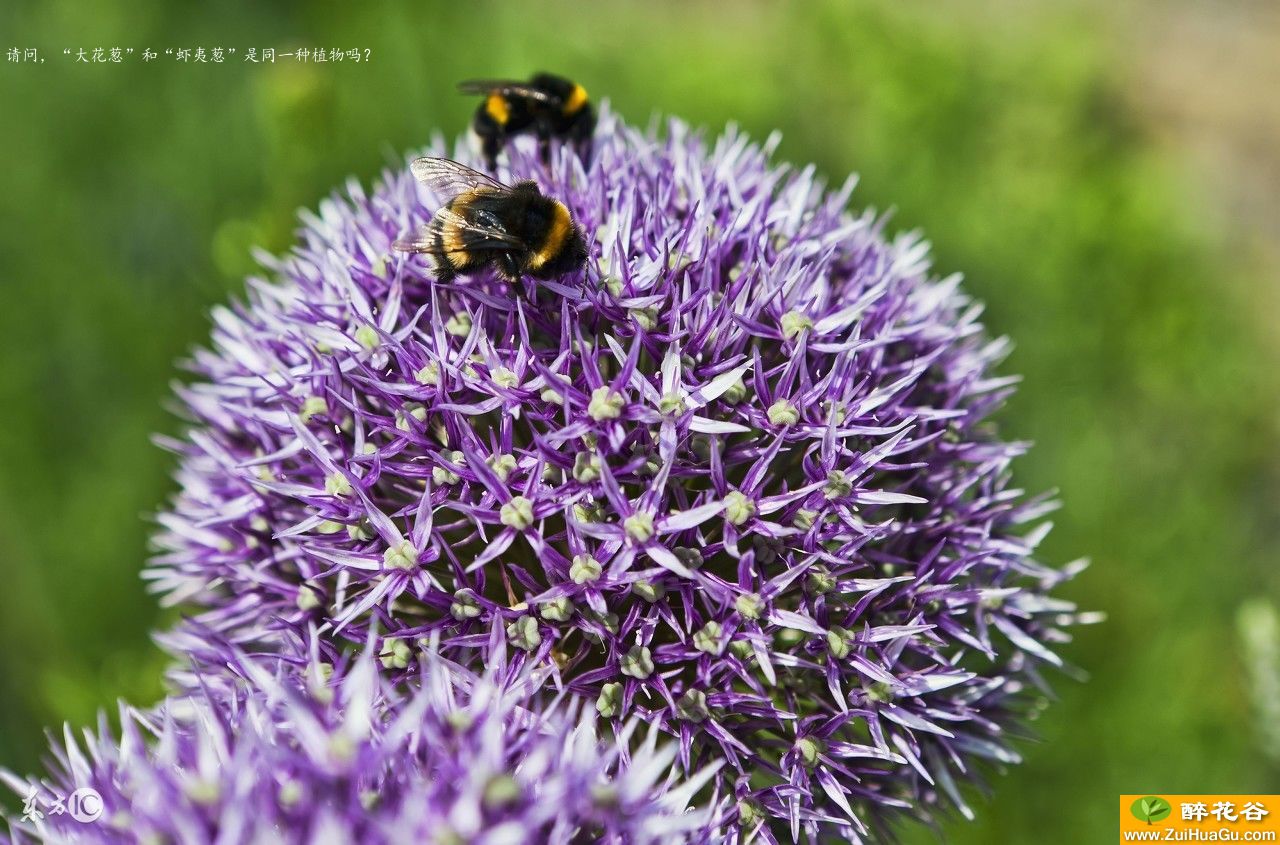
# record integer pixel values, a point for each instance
(732, 479)
(269, 751)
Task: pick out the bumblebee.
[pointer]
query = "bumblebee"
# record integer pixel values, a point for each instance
(548, 105)
(515, 229)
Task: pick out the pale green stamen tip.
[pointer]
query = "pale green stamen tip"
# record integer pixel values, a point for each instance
(795, 322)
(880, 692)
(639, 527)
(517, 513)
(202, 791)
(308, 597)
(337, 485)
(459, 325)
(809, 749)
(584, 568)
(646, 318)
(750, 605)
(445, 476)
(738, 508)
(588, 512)
(691, 558)
(290, 793)
(401, 556)
(524, 633)
(395, 654)
(610, 700)
(502, 791)
(341, 746)
(605, 404)
(504, 377)
(838, 485)
(502, 465)
(465, 605)
(637, 663)
(671, 404)
(838, 642)
(367, 336)
(313, 406)
(783, 412)
(692, 706)
(609, 621)
(410, 410)
(430, 374)
(557, 610)
(710, 639)
(460, 720)
(648, 590)
(819, 579)
(586, 467)
(605, 796)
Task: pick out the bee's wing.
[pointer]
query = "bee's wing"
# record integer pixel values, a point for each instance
(504, 86)
(480, 232)
(478, 235)
(420, 241)
(449, 178)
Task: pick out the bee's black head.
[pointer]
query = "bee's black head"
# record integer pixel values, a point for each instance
(552, 84)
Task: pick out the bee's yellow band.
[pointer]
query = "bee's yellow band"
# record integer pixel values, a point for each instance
(497, 108)
(577, 99)
(561, 224)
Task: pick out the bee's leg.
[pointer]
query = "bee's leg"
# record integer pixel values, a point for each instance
(509, 266)
(491, 146)
(581, 137)
(544, 131)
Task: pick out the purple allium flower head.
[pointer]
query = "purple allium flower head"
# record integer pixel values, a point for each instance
(268, 751)
(734, 478)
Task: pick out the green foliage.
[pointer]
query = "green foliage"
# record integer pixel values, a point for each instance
(132, 194)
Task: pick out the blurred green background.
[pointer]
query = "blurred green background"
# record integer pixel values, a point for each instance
(1097, 174)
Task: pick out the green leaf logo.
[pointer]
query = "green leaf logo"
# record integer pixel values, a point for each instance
(1150, 809)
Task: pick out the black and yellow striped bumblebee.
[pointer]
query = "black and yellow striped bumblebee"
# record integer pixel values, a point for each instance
(515, 229)
(548, 105)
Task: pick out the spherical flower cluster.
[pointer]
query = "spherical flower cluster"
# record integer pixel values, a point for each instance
(324, 753)
(734, 478)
